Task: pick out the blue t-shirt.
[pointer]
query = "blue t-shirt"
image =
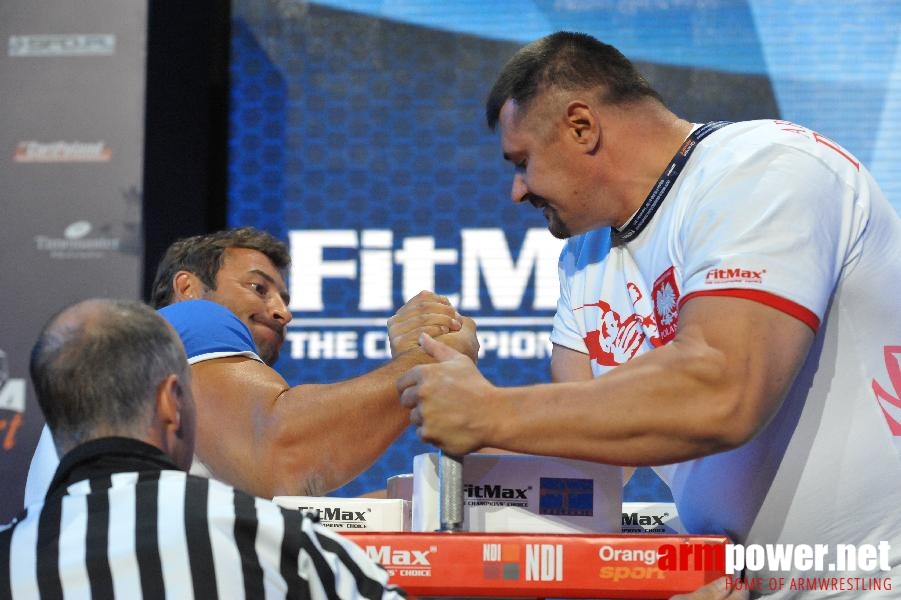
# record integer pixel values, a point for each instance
(209, 330)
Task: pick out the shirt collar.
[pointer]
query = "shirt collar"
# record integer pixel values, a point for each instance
(105, 456)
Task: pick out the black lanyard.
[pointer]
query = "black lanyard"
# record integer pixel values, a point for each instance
(665, 182)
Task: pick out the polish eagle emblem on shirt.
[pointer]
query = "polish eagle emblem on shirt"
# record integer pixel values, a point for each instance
(666, 304)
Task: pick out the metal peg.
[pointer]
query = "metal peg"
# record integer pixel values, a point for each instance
(450, 491)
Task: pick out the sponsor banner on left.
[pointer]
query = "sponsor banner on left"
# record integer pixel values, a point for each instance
(77, 242)
(52, 45)
(12, 404)
(33, 151)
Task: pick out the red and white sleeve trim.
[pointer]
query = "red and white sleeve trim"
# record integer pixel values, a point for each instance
(794, 309)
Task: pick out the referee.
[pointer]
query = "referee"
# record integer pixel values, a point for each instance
(122, 519)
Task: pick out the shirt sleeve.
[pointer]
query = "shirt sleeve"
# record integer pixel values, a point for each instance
(41, 470)
(769, 229)
(209, 330)
(566, 331)
(579, 254)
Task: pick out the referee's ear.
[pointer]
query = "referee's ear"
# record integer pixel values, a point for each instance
(174, 420)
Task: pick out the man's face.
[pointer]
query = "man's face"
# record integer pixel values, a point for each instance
(250, 286)
(545, 174)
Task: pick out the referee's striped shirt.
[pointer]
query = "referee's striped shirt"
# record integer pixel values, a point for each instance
(120, 521)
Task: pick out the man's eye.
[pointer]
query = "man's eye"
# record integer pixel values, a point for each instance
(259, 288)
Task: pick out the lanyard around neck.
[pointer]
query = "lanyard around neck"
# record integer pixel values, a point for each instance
(665, 183)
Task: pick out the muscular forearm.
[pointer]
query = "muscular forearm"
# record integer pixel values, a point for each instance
(268, 438)
(644, 412)
(695, 396)
(323, 435)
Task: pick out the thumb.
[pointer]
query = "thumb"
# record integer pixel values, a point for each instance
(436, 349)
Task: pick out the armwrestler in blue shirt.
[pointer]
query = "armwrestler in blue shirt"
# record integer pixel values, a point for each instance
(209, 330)
(254, 431)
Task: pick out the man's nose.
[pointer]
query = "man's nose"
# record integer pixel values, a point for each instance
(280, 310)
(519, 192)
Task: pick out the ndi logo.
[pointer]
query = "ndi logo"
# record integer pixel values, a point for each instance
(542, 562)
(501, 561)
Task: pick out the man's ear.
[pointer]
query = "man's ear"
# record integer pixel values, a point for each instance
(168, 405)
(187, 286)
(174, 421)
(583, 124)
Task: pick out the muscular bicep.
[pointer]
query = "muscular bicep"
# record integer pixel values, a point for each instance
(234, 397)
(569, 365)
(236, 385)
(753, 352)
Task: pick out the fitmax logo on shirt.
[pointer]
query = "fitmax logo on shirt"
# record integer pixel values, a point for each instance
(733, 275)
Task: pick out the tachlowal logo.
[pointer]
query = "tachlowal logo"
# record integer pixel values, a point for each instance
(12, 400)
(566, 496)
(77, 243)
(98, 44)
(32, 151)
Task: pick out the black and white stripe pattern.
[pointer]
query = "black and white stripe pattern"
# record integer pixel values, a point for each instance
(166, 534)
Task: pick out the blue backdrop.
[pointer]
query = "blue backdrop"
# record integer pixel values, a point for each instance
(358, 136)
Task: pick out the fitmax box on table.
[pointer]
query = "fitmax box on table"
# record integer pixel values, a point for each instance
(351, 514)
(524, 494)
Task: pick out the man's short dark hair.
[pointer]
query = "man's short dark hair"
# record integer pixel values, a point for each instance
(101, 372)
(566, 61)
(203, 255)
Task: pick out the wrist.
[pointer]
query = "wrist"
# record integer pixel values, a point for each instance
(497, 419)
(415, 355)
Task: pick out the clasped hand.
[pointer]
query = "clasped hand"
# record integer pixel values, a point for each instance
(447, 399)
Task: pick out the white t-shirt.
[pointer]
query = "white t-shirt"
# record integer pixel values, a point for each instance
(772, 212)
